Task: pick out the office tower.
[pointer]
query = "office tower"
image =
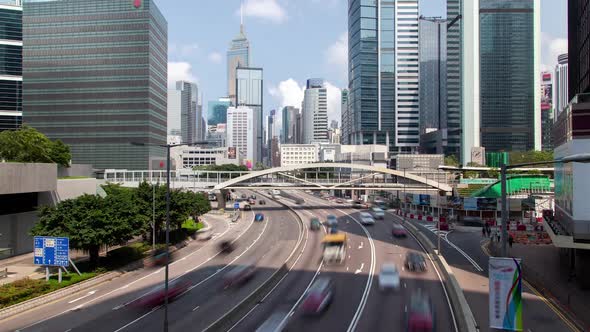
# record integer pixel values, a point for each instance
(315, 112)
(240, 125)
(560, 85)
(95, 80)
(334, 124)
(269, 134)
(578, 55)
(383, 73)
(249, 93)
(455, 79)
(345, 117)
(546, 111)
(289, 125)
(298, 128)
(238, 55)
(433, 87)
(11, 65)
(182, 111)
(217, 111)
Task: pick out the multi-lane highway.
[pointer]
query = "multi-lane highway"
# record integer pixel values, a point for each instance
(358, 304)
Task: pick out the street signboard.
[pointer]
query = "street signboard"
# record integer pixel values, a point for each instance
(51, 251)
(505, 301)
(236, 205)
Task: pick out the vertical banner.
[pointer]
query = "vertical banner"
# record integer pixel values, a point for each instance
(505, 302)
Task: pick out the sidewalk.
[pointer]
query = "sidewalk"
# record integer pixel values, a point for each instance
(548, 272)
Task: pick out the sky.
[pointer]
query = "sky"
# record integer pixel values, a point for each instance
(292, 40)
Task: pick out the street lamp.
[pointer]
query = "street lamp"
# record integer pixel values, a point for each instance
(168, 147)
(576, 158)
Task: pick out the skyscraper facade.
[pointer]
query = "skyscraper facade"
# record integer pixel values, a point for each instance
(455, 78)
(182, 111)
(95, 80)
(249, 93)
(240, 124)
(11, 65)
(289, 125)
(217, 111)
(345, 117)
(238, 55)
(560, 85)
(578, 54)
(546, 111)
(383, 73)
(315, 112)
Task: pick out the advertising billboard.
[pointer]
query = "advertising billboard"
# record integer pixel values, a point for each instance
(487, 204)
(470, 203)
(424, 200)
(231, 152)
(505, 299)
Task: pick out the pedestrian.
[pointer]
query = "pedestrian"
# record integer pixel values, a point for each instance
(483, 231)
(498, 236)
(510, 241)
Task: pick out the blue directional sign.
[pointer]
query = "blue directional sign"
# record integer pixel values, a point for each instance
(236, 205)
(52, 251)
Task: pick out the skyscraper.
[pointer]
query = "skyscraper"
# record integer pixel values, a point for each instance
(238, 55)
(240, 124)
(217, 111)
(560, 85)
(433, 87)
(455, 77)
(315, 112)
(546, 111)
(345, 117)
(182, 111)
(11, 65)
(95, 80)
(383, 73)
(289, 125)
(249, 93)
(578, 55)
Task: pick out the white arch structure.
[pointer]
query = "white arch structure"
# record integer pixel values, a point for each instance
(369, 168)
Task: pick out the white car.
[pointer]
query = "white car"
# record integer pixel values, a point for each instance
(378, 213)
(367, 219)
(389, 277)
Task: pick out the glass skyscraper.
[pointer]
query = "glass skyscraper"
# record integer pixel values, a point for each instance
(238, 55)
(249, 93)
(383, 74)
(217, 112)
(11, 80)
(95, 76)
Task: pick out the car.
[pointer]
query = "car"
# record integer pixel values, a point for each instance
(259, 217)
(415, 262)
(252, 201)
(262, 202)
(378, 213)
(399, 231)
(389, 277)
(367, 218)
(253, 196)
(299, 201)
(204, 235)
(226, 246)
(247, 207)
(314, 224)
(332, 229)
(318, 297)
(239, 275)
(420, 315)
(244, 196)
(339, 200)
(332, 221)
(156, 296)
(275, 322)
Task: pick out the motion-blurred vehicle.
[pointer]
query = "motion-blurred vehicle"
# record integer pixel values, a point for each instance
(367, 218)
(314, 224)
(262, 202)
(158, 258)
(253, 196)
(239, 275)
(334, 248)
(276, 192)
(156, 296)
(339, 200)
(275, 323)
(378, 213)
(415, 262)
(226, 246)
(299, 201)
(318, 297)
(245, 206)
(420, 315)
(259, 217)
(389, 277)
(204, 235)
(244, 196)
(359, 205)
(399, 231)
(252, 201)
(332, 220)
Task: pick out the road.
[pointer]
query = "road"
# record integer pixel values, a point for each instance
(109, 307)
(462, 248)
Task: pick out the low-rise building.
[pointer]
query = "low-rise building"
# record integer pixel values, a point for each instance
(187, 157)
(298, 154)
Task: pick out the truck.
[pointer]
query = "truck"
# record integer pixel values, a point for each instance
(334, 248)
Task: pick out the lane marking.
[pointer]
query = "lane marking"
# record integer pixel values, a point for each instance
(361, 245)
(360, 269)
(83, 297)
(551, 306)
(140, 317)
(195, 308)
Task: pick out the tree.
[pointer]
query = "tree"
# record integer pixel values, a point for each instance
(472, 174)
(451, 160)
(530, 156)
(28, 145)
(90, 222)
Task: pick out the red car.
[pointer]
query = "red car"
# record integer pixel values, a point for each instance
(156, 296)
(318, 297)
(420, 315)
(239, 275)
(399, 231)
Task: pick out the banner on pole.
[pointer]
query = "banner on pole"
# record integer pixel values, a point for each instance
(505, 301)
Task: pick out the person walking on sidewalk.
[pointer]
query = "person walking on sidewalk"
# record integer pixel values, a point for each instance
(510, 241)
(483, 231)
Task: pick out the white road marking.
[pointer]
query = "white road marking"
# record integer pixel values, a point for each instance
(405, 285)
(347, 269)
(195, 308)
(140, 317)
(361, 245)
(360, 269)
(83, 297)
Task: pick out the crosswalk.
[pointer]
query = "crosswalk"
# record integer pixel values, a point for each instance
(434, 229)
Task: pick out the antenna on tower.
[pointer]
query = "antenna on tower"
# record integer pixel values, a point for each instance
(242, 16)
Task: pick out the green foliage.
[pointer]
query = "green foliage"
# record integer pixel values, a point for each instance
(531, 156)
(28, 145)
(493, 173)
(190, 226)
(451, 160)
(222, 168)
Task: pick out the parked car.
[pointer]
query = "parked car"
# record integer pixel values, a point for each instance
(259, 217)
(389, 277)
(399, 231)
(318, 297)
(415, 262)
(314, 224)
(420, 315)
(367, 219)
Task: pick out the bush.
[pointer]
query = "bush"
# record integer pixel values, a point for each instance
(190, 226)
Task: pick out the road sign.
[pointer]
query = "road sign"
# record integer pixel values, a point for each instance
(236, 205)
(51, 251)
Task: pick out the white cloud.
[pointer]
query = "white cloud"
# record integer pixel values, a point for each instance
(269, 10)
(179, 71)
(334, 102)
(183, 50)
(551, 47)
(336, 56)
(215, 57)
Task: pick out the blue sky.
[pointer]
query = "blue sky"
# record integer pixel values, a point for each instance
(293, 40)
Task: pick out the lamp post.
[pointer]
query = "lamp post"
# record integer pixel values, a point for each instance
(576, 158)
(168, 147)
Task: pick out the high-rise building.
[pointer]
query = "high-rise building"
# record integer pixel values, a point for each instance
(289, 125)
(11, 65)
(276, 152)
(345, 117)
(269, 134)
(315, 112)
(240, 125)
(546, 111)
(95, 77)
(201, 132)
(433, 87)
(217, 111)
(560, 85)
(578, 55)
(383, 73)
(249, 93)
(182, 111)
(496, 101)
(238, 55)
